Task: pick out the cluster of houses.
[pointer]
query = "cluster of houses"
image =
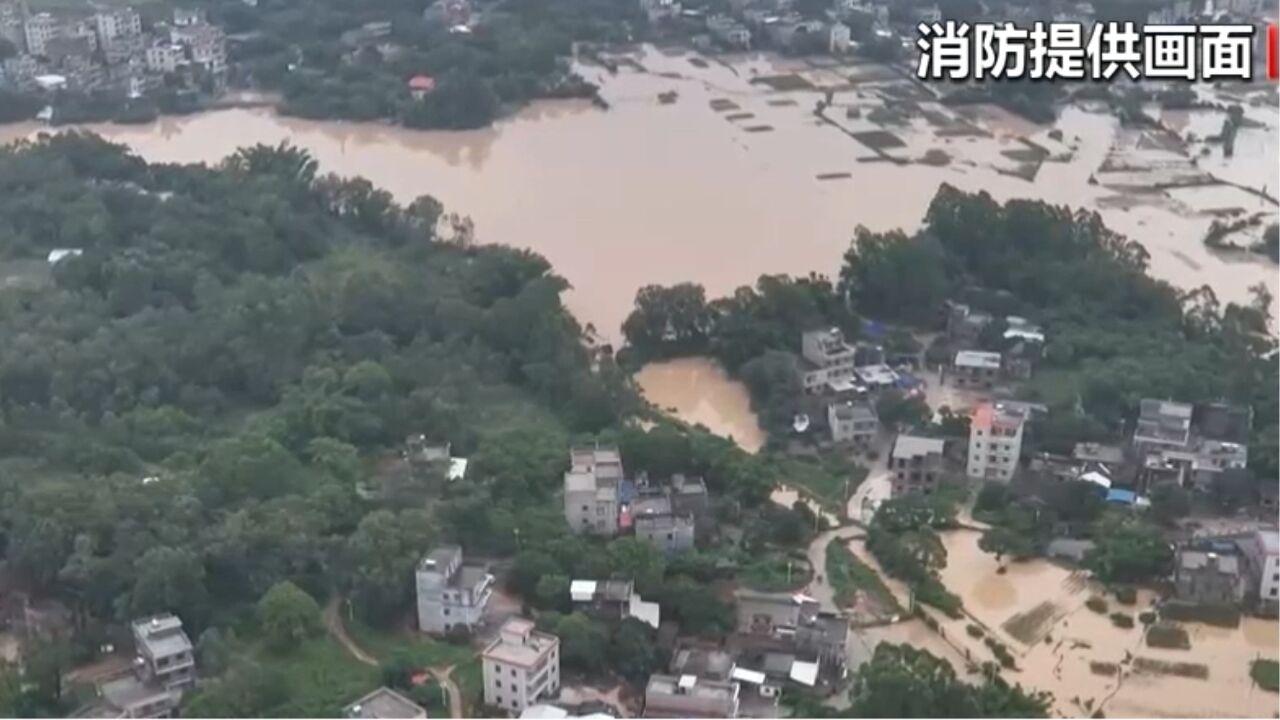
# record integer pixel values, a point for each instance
(1172, 443)
(747, 24)
(163, 669)
(600, 500)
(110, 50)
(1230, 572)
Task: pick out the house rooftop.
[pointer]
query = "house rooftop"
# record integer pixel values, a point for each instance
(1095, 452)
(690, 686)
(162, 635)
(442, 557)
(384, 703)
(518, 643)
(978, 359)
(1199, 559)
(711, 663)
(853, 411)
(909, 446)
(127, 691)
(988, 415)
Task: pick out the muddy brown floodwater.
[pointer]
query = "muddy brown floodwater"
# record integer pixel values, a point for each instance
(1037, 609)
(648, 192)
(698, 391)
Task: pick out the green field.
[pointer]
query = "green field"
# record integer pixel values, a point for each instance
(320, 677)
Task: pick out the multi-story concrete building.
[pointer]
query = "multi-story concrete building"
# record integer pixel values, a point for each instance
(450, 593)
(1208, 578)
(839, 39)
(11, 24)
(114, 25)
(1162, 424)
(689, 696)
(1261, 552)
(38, 30)
(520, 667)
(799, 621)
(206, 45)
(668, 532)
(164, 57)
(827, 357)
(165, 650)
(995, 442)
(591, 487)
(976, 369)
(852, 422)
(164, 668)
(917, 465)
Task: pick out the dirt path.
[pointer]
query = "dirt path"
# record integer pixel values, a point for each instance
(444, 676)
(338, 629)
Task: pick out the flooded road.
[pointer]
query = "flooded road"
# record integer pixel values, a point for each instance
(663, 193)
(698, 391)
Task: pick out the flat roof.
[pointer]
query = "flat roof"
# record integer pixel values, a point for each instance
(909, 446)
(536, 643)
(384, 703)
(978, 359)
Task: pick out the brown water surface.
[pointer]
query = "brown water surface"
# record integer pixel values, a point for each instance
(652, 193)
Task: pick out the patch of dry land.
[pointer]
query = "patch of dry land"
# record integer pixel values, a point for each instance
(1037, 609)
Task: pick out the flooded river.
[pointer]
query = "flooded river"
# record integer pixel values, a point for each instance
(660, 193)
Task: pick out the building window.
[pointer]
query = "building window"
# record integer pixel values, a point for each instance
(446, 611)
(513, 672)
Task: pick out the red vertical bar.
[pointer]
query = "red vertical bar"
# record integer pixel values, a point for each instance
(1273, 51)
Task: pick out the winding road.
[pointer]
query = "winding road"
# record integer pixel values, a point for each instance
(338, 629)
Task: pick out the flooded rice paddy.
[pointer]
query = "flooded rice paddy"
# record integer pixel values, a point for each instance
(1037, 609)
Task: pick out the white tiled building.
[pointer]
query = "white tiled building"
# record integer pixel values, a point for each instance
(995, 442)
(520, 667)
(591, 490)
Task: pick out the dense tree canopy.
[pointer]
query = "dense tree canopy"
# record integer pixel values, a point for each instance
(188, 406)
(903, 682)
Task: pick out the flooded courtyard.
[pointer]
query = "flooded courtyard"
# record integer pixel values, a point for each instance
(739, 176)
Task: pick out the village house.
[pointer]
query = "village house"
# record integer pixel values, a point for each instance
(729, 31)
(839, 39)
(995, 442)
(917, 464)
(520, 667)
(976, 369)
(420, 86)
(688, 696)
(793, 628)
(851, 422)
(163, 669)
(1162, 424)
(591, 490)
(383, 704)
(606, 599)
(827, 359)
(1205, 576)
(1261, 553)
(450, 593)
(659, 525)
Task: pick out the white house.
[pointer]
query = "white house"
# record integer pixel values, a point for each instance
(995, 442)
(520, 667)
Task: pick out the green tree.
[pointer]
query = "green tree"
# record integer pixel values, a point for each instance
(904, 682)
(168, 579)
(638, 561)
(1170, 503)
(633, 651)
(1128, 550)
(288, 616)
